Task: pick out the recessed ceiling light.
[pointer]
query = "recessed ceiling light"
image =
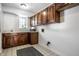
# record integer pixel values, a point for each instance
(44, 13)
(24, 6)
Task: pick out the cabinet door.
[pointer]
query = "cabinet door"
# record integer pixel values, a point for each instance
(44, 16)
(39, 19)
(35, 20)
(23, 39)
(57, 17)
(15, 40)
(34, 37)
(6, 41)
(32, 21)
(51, 14)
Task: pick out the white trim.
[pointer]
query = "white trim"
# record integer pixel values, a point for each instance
(1, 51)
(53, 50)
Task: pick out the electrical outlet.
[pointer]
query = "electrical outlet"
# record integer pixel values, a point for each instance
(48, 43)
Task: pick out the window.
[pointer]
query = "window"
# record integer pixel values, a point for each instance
(22, 22)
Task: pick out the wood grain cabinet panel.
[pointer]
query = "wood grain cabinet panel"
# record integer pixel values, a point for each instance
(59, 5)
(63, 6)
(39, 16)
(6, 41)
(51, 14)
(57, 12)
(36, 20)
(33, 37)
(11, 40)
(23, 39)
(44, 16)
(32, 21)
(17, 39)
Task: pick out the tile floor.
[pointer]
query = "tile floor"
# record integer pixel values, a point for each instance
(12, 51)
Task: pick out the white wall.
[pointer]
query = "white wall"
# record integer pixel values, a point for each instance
(1, 16)
(11, 18)
(10, 22)
(64, 37)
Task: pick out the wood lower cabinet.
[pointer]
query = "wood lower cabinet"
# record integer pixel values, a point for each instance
(33, 37)
(6, 41)
(23, 39)
(16, 39)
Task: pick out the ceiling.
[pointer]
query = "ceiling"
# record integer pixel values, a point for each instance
(33, 7)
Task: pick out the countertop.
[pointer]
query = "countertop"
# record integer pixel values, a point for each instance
(20, 32)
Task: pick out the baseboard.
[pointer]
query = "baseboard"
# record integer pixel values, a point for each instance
(0, 51)
(53, 50)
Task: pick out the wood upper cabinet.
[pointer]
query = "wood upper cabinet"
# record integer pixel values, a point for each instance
(39, 18)
(35, 20)
(57, 12)
(44, 16)
(63, 6)
(59, 5)
(51, 14)
(32, 21)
